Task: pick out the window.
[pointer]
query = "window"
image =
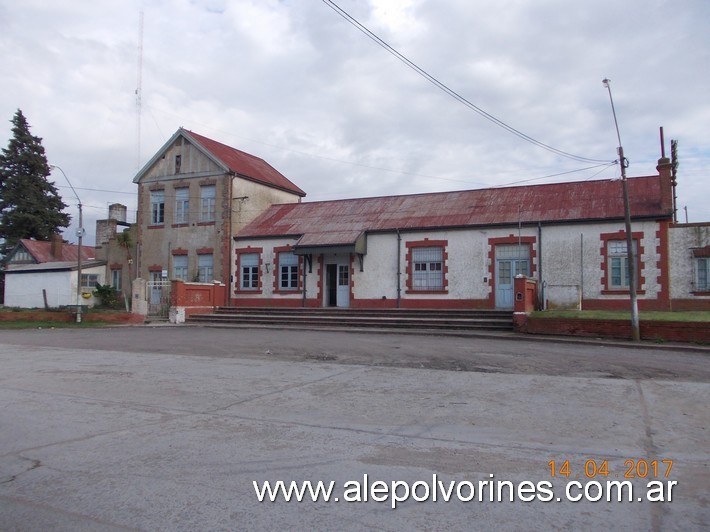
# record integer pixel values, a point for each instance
(21, 255)
(205, 268)
(249, 263)
(207, 203)
(702, 274)
(182, 205)
(180, 267)
(427, 267)
(618, 270)
(157, 207)
(288, 270)
(116, 279)
(89, 280)
(178, 163)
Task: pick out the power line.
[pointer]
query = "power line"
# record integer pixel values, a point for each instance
(344, 14)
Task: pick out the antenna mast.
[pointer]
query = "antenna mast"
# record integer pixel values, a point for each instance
(139, 91)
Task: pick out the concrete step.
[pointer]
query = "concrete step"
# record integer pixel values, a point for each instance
(455, 320)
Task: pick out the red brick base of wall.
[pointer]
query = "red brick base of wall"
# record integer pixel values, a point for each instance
(66, 317)
(670, 331)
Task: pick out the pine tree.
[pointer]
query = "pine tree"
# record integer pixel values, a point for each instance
(30, 206)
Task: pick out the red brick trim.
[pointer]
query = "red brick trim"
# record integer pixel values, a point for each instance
(156, 187)
(238, 277)
(510, 239)
(409, 268)
(155, 268)
(181, 184)
(179, 251)
(175, 226)
(159, 226)
(116, 266)
(202, 224)
(277, 272)
(205, 251)
(621, 235)
(207, 182)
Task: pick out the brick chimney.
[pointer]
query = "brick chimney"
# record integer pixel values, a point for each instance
(665, 172)
(57, 247)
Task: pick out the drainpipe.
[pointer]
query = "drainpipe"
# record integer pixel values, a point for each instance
(539, 264)
(399, 269)
(305, 276)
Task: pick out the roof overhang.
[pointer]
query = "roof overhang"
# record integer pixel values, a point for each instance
(313, 247)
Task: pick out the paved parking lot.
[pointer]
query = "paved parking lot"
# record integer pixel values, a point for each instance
(168, 428)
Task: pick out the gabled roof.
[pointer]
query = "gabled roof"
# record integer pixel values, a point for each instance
(53, 266)
(231, 160)
(341, 222)
(41, 251)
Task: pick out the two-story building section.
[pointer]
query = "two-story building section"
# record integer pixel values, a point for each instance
(194, 195)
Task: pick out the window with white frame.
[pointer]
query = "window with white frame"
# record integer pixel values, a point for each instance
(89, 280)
(428, 268)
(249, 264)
(180, 267)
(288, 271)
(618, 264)
(157, 207)
(116, 278)
(207, 203)
(205, 268)
(702, 274)
(182, 205)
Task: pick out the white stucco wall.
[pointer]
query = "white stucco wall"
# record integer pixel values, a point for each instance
(683, 239)
(25, 289)
(567, 258)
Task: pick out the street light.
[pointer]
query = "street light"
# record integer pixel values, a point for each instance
(79, 233)
(631, 267)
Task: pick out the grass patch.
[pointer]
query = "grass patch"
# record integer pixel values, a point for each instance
(30, 324)
(693, 316)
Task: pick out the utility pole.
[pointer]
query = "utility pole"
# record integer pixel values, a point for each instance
(79, 234)
(631, 267)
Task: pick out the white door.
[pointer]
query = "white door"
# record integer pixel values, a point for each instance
(343, 297)
(511, 260)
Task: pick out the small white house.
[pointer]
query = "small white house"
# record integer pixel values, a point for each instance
(51, 284)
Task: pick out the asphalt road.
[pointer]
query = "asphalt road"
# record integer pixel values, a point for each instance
(168, 428)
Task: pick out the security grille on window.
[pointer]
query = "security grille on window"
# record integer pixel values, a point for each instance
(702, 274)
(250, 270)
(207, 203)
(205, 268)
(157, 207)
(428, 265)
(89, 280)
(617, 252)
(288, 268)
(182, 205)
(180, 267)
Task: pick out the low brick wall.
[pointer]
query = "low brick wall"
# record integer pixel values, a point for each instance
(69, 316)
(670, 331)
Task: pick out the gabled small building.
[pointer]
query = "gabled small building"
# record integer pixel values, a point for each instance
(463, 249)
(44, 273)
(193, 195)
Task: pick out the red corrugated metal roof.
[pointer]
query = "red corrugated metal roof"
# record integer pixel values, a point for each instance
(245, 164)
(341, 221)
(42, 251)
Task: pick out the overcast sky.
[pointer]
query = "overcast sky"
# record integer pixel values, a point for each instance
(292, 82)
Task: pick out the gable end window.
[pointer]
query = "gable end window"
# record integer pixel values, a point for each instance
(182, 205)
(208, 194)
(157, 207)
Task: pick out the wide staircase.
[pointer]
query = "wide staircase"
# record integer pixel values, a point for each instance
(404, 319)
